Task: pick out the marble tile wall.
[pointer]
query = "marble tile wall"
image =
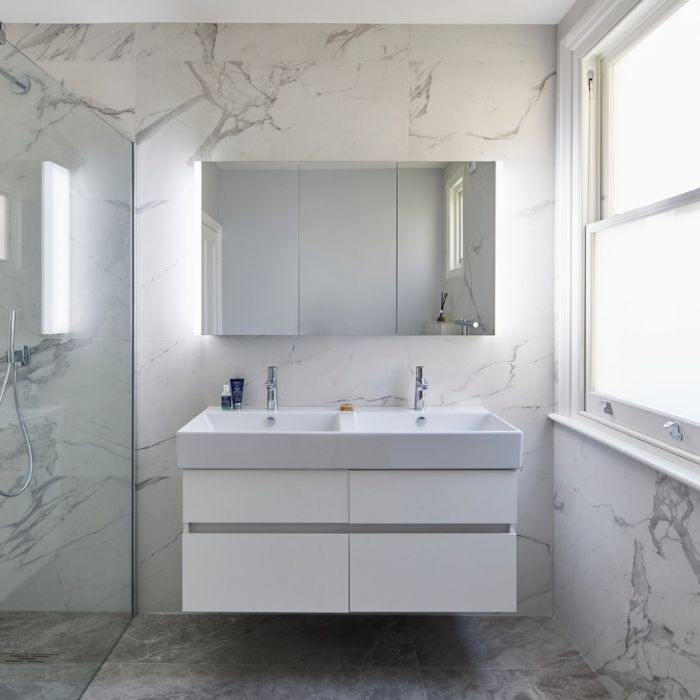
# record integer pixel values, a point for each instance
(65, 544)
(627, 570)
(319, 92)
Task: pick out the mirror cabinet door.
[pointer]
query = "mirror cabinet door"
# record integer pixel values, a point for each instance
(260, 220)
(347, 246)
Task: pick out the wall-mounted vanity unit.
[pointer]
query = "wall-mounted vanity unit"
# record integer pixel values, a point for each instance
(377, 510)
(348, 248)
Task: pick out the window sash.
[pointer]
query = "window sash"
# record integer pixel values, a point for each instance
(642, 422)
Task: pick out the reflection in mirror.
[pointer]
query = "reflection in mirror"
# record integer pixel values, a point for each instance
(347, 233)
(348, 248)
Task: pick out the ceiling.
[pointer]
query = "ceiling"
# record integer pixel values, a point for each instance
(311, 11)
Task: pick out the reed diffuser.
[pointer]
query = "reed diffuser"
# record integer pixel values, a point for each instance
(441, 316)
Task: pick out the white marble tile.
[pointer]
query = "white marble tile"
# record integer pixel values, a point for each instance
(261, 110)
(314, 371)
(73, 42)
(159, 546)
(481, 42)
(106, 87)
(169, 393)
(270, 42)
(482, 110)
(660, 512)
(89, 381)
(626, 561)
(164, 274)
(629, 612)
(65, 542)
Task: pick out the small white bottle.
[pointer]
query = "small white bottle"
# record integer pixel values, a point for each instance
(226, 398)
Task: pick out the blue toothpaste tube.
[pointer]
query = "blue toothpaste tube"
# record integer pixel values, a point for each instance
(237, 393)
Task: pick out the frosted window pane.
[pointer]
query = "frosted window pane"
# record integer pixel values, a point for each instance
(646, 312)
(654, 115)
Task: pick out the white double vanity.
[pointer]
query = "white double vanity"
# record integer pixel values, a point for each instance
(374, 510)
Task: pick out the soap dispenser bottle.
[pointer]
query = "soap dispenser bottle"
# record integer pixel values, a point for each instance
(226, 398)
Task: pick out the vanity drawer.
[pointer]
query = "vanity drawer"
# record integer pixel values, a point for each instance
(475, 496)
(265, 496)
(253, 572)
(439, 573)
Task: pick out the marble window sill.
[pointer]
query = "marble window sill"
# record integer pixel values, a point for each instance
(683, 470)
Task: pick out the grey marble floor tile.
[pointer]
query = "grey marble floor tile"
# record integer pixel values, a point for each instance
(75, 637)
(494, 642)
(464, 684)
(45, 682)
(284, 640)
(211, 682)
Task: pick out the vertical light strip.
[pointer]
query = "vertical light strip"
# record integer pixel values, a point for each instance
(196, 238)
(55, 249)
(4, 227)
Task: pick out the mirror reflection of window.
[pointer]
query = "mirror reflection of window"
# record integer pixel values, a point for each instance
(456, 232)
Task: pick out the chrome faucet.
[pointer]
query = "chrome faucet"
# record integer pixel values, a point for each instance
(271, 386)
(421, 388)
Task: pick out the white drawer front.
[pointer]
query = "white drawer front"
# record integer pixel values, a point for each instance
(476, 496)
(432, 573)
(265, 496)
(264, 573)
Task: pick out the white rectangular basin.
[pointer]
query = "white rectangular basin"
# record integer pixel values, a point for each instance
(251, 421)
(372, 438)
(428, 421)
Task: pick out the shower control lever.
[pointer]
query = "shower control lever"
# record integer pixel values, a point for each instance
(22, 357)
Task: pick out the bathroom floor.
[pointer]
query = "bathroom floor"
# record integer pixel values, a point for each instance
(66, 649)
(320, 656)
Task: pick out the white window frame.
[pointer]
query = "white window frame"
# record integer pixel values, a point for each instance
(604, 30)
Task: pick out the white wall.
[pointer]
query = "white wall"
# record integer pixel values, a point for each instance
(314, 92)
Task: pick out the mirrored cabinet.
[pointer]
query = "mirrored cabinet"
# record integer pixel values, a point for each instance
(366, 248)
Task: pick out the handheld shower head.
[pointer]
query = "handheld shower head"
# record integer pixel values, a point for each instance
(17, 358)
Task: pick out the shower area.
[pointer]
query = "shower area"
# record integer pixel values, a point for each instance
(66, 372)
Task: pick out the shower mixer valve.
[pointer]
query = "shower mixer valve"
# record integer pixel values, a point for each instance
(22, 357)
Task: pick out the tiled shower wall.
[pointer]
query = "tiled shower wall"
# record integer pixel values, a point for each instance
(317, 92)
(65, 542)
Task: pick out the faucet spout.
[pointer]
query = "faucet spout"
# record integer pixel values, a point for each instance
(271, 386)
(421, 388)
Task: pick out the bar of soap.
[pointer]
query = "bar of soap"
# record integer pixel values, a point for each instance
(346, 407)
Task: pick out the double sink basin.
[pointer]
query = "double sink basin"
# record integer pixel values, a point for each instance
(366, 438)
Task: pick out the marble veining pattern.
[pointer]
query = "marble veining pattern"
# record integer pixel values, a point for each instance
(329, 92)
(626, 583)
